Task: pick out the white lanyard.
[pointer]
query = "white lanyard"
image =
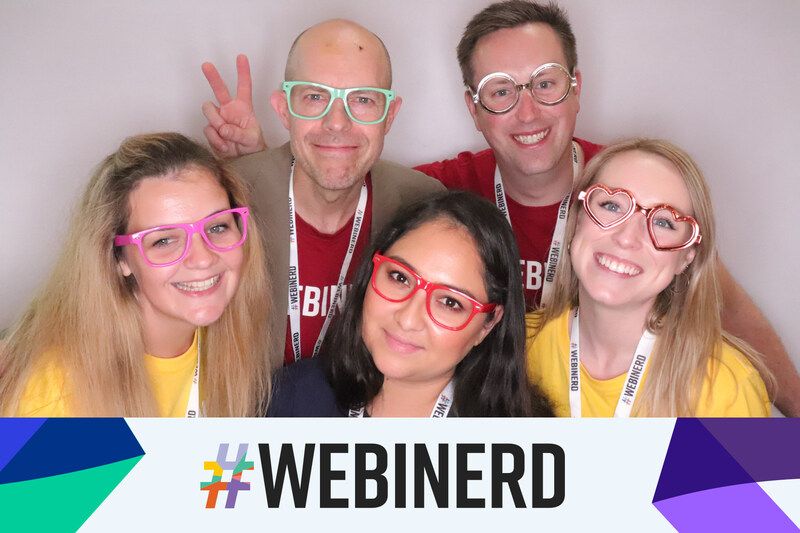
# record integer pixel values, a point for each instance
(561, 223)
(294, 269)
(193, 407)
(440, 408)
(632, 381)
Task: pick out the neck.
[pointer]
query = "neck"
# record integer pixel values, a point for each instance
(327, 210)
(544, 188)
(164, 338)
(403, 399)
(609, 337)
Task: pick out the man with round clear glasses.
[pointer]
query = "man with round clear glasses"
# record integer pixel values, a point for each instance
(311, 101)
(499, 92)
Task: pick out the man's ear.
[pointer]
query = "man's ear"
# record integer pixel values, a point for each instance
(394, 108)
(489, 326)
(472, 107)
(278, 101)
(579, 78)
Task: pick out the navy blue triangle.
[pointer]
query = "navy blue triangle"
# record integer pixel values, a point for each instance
(696, 461)
(65, 445)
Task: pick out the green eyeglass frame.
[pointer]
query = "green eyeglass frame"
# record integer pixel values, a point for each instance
(335, 93)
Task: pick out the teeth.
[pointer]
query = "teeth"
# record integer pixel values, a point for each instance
(197, 286)
(532, 139)
(617, 267)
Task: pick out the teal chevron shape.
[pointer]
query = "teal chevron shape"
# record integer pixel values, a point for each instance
(62, 502)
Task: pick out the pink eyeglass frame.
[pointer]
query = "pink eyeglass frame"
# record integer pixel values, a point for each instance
(648, 213)
(428, 287)
(191, 229)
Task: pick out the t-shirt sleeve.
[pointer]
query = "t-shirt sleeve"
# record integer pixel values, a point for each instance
(44, 394)
(736, 390)
(468, 171)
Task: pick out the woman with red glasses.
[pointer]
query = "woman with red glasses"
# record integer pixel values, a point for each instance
(156, 306)
(632, 327)
(433, 325)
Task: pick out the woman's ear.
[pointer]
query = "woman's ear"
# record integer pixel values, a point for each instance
(687, 260)
(123, 268)
(489, 325)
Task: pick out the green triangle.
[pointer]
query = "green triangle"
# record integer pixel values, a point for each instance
(62, 502)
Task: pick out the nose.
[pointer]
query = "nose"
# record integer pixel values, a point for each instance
(527, 109)
(200, 256)
(411, 314)
(337, 119)
(633, 232)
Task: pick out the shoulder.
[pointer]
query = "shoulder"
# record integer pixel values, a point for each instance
(399, 178)
(45, 394)
(590, 149)
(461, 170)
(272, 158)
(302, 389)
(733, 386)
(536, 326)
(266, 172)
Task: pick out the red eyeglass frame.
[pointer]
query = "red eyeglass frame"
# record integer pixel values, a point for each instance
(428, 287)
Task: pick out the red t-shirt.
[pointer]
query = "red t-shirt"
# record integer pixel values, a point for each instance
(321, 256)
(533, 226)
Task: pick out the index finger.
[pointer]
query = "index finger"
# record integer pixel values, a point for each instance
(244, 85)
(216, 83)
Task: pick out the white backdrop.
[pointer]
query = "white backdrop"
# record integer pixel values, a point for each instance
(719, 77)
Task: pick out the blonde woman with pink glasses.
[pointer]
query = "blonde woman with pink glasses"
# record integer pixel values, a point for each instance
(157, 304)
(632, 327)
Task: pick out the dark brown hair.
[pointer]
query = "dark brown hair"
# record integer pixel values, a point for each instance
(510, 14)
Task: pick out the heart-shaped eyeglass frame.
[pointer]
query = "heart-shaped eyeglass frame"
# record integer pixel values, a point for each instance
(648, 212)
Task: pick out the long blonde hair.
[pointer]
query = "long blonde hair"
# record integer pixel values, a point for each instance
(87, 318)
(686, 315)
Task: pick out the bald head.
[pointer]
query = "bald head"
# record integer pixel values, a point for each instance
(340, 40)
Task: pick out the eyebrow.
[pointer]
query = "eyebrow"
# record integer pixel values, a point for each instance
(458, 289)
(212, 213)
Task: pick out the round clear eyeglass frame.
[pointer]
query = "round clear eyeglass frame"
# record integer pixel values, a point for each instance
(335, 93)
(573, 83)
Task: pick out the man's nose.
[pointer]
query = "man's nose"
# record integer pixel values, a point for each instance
(527, 109)
(337, 118)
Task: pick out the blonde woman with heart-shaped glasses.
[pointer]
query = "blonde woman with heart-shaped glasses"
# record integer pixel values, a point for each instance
(632, 327)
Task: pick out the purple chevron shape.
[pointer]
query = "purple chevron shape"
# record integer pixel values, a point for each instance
(731, 509)
(695, 461)
(768, 449)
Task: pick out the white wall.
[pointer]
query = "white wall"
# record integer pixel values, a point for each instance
(721, 78)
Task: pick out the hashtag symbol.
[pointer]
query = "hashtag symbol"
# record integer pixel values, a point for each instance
(232, 487)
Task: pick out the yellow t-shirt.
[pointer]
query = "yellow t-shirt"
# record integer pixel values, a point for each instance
(47, 394)
(736, 390)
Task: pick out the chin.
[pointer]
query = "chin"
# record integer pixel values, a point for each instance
(205, 317)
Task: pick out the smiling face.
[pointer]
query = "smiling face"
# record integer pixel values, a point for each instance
(333, 151)
(532, 138)
(619, 266)
(406, 345)
(195, 291)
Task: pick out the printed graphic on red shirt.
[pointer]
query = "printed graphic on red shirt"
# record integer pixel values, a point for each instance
(320, 258)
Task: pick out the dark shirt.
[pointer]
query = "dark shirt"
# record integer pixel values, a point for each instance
(302, 389)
